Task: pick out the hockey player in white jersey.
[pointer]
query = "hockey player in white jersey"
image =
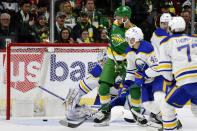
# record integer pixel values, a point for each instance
(139, 49)
(141, 56)
(160, 33)
(75, 111)
(178, 60)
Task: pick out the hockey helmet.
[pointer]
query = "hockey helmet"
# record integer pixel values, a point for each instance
(123, 11)
(134, 32)
(177, 24)
(165, 17)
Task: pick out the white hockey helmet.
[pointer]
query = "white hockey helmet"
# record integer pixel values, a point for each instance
(177, 24)
(165, 17)
(134, 32)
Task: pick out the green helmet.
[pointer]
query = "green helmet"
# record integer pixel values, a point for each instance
(123, 11)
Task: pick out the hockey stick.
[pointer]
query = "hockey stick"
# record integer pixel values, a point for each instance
(44, 89)
(73, 125)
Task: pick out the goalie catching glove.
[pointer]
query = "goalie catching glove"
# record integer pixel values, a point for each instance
(124, 88)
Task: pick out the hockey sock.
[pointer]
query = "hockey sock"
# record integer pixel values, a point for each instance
(104, 95)
(135, 99)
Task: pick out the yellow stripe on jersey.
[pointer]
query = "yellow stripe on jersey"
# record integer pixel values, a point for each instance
(189, 76)
(171, 38)
(159, 36)
(130, 52)
(146, 53)
(109, 51)
(165, 84)
(177, 105)
(188, 68)
(84, 87)
(163, 67)
(170, 125)
(94, 76)
(171, 92)
(136, 101)
(105, 99)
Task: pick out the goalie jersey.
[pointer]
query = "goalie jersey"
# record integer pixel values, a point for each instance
(178, 58)
(146, 53)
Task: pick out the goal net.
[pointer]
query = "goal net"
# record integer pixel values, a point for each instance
(55, 67)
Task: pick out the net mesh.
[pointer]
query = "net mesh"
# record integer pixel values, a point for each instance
(54, 67)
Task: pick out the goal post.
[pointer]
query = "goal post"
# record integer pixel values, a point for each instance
(55, 66)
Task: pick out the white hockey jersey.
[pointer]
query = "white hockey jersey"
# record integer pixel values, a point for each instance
(145, 52)
(178, 59)
(158, 35)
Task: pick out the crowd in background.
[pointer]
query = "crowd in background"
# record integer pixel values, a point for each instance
(81, 21)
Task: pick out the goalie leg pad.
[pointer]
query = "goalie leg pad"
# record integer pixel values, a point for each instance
(194, 109)
(71, 101)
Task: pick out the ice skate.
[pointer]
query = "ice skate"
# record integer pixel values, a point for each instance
(103, 120)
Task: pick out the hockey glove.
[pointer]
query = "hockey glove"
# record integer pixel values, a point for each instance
(140, 78)
(124, 86)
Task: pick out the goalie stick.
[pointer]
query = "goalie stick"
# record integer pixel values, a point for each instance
(44, 89)
(73, 125)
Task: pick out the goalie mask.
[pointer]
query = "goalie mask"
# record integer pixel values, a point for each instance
(135, 33)
(177, 24)
(101, 57)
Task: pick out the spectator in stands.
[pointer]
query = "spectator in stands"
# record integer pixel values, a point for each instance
(94, 15)
(1, 8)
(60, 23)
(84, 37)
(7, 34)
(103, 36)
(139, 12)
(82, 24)
(164, 8)
(41, 29)
(187, 6)
(10, 6)
(187, 17)
(65, 36)
(43, 8)
(23, 20)
(70, 16)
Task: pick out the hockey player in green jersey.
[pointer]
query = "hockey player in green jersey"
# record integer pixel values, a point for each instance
(116, 57)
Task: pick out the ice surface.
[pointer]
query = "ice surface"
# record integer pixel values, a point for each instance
(188, 120)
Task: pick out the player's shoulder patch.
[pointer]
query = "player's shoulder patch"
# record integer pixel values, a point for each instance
(145, 47)
(96, 71)
(160, 33)
(129, 49)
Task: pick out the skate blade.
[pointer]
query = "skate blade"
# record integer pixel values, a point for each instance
(101, 124)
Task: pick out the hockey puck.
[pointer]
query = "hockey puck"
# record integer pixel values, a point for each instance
(45, 120)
